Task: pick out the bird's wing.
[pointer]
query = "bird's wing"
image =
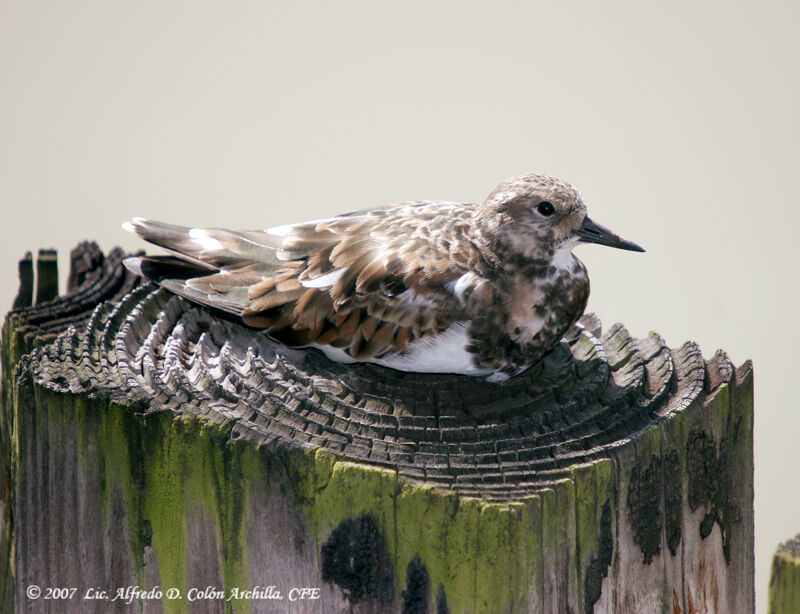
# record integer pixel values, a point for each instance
(368, 282)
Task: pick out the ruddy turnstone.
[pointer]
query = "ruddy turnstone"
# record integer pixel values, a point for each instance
(438, 287)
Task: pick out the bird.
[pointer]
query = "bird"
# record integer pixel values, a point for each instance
(483, 290)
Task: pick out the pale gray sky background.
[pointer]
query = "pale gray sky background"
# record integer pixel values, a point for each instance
(679, 122)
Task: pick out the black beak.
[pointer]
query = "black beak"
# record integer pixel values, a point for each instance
(589, 232)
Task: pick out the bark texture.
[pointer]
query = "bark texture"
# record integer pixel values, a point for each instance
(149, 442)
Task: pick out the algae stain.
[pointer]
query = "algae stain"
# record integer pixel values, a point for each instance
(122, 469)
(503, 563)
(351, 490)
(196, 464)
(234, 467)
(597, 569)
(163, 466)
(355, 557)
(440, 529)
(469, 548)
(417, 593)
(164, 505)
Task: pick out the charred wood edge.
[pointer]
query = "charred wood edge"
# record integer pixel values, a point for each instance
(140, 345)
(784, 582)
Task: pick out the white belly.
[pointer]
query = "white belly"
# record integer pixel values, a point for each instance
(444, 353)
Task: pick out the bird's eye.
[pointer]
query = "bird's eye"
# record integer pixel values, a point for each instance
(545, 208)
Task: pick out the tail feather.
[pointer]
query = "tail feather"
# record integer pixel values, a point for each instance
(180, 276)
(233, 302)
(214, 247)
(157, 268)
(211, 266)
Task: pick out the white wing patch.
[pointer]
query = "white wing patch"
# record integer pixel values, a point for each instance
(207, 242)
(324, 281)
(463, 283)
(282, 231)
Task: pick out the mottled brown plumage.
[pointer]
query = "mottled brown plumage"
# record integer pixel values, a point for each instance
(424, 286)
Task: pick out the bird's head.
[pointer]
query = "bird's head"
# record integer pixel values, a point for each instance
(536, 216)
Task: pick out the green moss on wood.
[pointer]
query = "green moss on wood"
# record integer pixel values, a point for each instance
(784, 582)
(123, 470)
(164, 469)
(482, 554)
(594, 492)
(188, 464)
(441, 530)
(503, 561)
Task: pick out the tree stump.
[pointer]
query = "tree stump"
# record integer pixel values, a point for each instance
(784, 581)
(147, 442)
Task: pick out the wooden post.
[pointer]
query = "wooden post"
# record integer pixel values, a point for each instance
(148, 443)
(46, 276)
(784, 582)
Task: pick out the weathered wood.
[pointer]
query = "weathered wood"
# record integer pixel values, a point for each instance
(46, 276)
(27, 326)
(25, 293)
(784, 581)
(157, 444)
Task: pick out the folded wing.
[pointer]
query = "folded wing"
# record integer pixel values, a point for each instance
(369, 283)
